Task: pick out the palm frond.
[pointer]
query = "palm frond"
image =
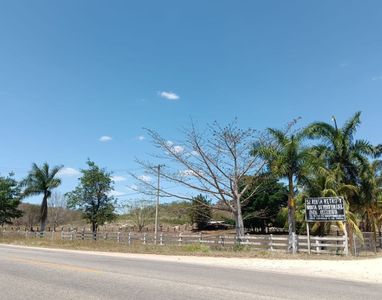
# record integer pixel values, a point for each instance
(363, 147)
(279, 135)
(320, 130)
(351, 125)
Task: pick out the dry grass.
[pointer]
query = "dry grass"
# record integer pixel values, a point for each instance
(188, 249)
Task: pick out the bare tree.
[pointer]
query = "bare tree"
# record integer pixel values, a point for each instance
(31, 215)
(57, 210)
(213, 163)
(141, 211)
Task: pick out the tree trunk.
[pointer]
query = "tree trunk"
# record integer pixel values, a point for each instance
(94, 230)
(351, 241)
(291, 217)
(43, 213)
(239, 221)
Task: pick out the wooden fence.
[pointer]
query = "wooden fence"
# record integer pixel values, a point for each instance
(269, 242)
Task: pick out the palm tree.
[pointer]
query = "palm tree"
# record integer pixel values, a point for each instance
(347, 158)
(287, 158)
(339, 147)
(370, 204)
(41, 180)
(327, 183)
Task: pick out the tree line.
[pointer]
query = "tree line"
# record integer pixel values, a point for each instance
(91, 197)
(256, 176)
(231, 166)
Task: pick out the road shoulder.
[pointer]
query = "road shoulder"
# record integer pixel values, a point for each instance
(365, 270)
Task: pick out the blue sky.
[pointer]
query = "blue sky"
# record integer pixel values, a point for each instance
(74, 71)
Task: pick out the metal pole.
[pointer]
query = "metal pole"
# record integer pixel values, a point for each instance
(157, 208)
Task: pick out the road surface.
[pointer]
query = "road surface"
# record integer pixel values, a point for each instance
(27, 273)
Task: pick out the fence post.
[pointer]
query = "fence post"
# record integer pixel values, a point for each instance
(354, 244)
(271, 241)
(180, 240)
(317, 246)
(71, 235)
(161, 239)
(221, 240)
(118, 237)
(247, 240)
(308, 237)
(200, 238)
(144, 238)
(346, 241)
(129, 238)
(375, 239)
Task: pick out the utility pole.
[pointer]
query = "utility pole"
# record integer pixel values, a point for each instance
(157, 206)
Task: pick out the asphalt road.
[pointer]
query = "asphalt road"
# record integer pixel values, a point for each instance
(37, 274)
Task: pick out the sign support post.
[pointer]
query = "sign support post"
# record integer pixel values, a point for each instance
(308, 236)
(346, 246)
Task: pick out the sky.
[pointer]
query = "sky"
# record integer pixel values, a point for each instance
(82, 79)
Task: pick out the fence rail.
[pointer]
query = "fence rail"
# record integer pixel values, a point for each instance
(269, 242)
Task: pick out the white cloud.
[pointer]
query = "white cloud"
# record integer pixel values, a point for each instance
(105, 138)
(187, 173)
(140, 138)
(178, 149)
(376, 78)
(115, 194)
(67, 171)
(144, 178)
(117, 178)
(169, 95)
(195, 153)
(133, 187)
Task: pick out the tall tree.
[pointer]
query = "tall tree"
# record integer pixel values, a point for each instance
(339, 147)
(212, 163)
(349, 157)
(370, 204)
(287, 158)
(92, 196)
(200, 211)
(262, 208)
(324, 182)
(9, 200)
(41, 180)
(57, 210)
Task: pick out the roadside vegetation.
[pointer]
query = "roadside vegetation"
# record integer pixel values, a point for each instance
(182, 250)
(252, 180)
